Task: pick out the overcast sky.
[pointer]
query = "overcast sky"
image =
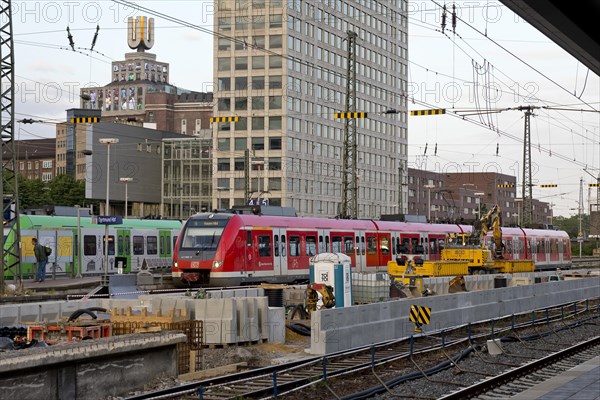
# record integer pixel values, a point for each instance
(491, 60)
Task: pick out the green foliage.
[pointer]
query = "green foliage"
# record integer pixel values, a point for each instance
(571, 224)
(63, 190)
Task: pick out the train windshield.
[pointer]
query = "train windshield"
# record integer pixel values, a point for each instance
(202, 235)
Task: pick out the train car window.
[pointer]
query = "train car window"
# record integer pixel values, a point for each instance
(152, 244)
(168, 246)
(264, 246)
(111, 245)
(384, 245)
(357, 245)
(321, 244)
(414, 242)
(138, 245)
(433, 246)
(249, 238)
(371, 245)
(509, 246)
(294, 246)
(425, 245)
(120, 248)
(441, 244)
(283, 247)
(560, 246)
(276, 245)
(327, 244)
(336, 244)
(127, 245)
(348, 245)
(311, 246)
(161, 242)
(89, 245)
(174, 241)
(362, 245)
(76, 247)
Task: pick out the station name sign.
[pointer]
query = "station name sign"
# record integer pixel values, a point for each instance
(108, 220)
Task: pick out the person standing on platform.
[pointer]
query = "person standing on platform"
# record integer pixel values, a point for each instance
(41, 258)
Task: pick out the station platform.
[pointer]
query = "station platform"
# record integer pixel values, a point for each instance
(579, 383)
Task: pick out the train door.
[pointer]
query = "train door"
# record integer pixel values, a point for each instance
(124, 247)
(523, 253)
(360, 258)
(262, 248)
(279, 252)
(164, 247)
(371, 246)
(554, 256)
(384, 251)
(541, 251)
(435, 244)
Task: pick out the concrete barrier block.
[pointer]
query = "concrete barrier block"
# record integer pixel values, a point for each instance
(9, 315)
(29, 313)
(275, 324)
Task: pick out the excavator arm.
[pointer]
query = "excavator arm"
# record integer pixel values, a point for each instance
(312, 296)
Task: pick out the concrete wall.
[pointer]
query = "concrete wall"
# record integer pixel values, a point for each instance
(88, 370)
(345, 328)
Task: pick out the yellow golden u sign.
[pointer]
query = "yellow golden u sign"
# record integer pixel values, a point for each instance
(140, 33)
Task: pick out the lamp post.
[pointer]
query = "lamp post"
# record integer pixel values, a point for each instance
(429, 187)
(78, 242)
(479, 194)
(107, 142)
(126, 181)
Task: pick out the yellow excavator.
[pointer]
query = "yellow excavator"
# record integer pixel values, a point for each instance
(466, 253)
(312, 296)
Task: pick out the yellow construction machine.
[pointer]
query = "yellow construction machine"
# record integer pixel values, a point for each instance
(312, 296)
(464, 254)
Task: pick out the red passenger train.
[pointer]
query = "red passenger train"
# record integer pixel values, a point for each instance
(225, 249)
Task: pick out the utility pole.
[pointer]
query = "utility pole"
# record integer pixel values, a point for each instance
(246, 176)
(11, 255)
(527, 184)
(400, 182)
(349, 207)
(580, 210)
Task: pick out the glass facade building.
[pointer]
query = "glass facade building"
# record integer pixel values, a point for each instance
(280, 67)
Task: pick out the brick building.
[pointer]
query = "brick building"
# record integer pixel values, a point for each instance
(454, 197)
(36, 158)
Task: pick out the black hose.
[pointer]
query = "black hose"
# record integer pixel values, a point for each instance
(80, 312)
(411, 376)
(300, 310)
(299, 328)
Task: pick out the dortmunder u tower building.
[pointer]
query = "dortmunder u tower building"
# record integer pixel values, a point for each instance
(280, 71)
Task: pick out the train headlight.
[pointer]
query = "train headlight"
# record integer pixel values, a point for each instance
(174, 264)
(217, 264)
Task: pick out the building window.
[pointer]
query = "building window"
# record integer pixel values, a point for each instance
(258, 103)
(275, 62)
(258, 123)
(275, 41)
(223, 144)
(258, 62)
(241, 63)
(224, 64)
(222, 83)
(241, 103)
(275, 143)
(241, 83)
(274, 123)
(224, 44)
(258, 143)
(223, 164)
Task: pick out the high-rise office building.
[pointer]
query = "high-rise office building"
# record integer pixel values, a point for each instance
(280, 68)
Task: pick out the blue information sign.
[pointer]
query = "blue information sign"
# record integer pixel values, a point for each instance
(254, 202)
(109, 219)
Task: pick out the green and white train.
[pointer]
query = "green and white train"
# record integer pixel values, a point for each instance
(131, 245)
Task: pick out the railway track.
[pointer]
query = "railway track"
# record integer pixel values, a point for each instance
(293, 379)
(586, 262)
(522, 378)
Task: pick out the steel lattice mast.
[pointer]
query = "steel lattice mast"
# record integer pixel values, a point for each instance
(527, 183)
(11, 254)
(349, 206)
